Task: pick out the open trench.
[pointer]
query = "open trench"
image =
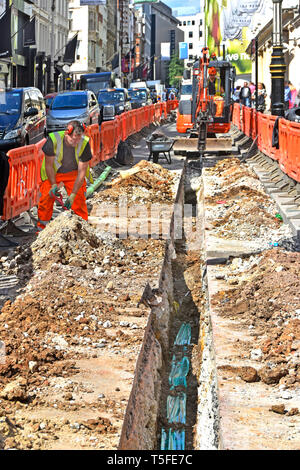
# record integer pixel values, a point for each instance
(173, 403)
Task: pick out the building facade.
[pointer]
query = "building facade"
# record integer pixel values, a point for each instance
(193, 29)
(90, 22)
(291, 48)
(165, 36)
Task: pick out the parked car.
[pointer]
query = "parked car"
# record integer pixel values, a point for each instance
(48, 100)
(139, 97)
(112, 102)
(22, 117)
(81, 105)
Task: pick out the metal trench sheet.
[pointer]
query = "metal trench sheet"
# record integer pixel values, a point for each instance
(222, 144)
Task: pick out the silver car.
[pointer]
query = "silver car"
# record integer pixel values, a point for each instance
(80, 105)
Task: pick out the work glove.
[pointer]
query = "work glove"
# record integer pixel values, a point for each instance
(70, 200)
(54, 191)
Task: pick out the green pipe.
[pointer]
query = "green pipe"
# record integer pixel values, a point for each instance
(92, 188)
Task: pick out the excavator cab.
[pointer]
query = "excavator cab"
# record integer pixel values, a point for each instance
(211, 106)
(219, 86)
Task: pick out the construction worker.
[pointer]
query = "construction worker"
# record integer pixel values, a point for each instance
(67, 156)
(212, 81)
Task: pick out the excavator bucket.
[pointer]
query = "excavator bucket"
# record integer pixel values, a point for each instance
(186, 145)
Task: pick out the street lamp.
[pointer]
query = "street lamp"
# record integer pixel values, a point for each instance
(51, 84)
(277, 66)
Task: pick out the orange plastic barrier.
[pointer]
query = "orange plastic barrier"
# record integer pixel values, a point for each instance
(22, 192)
(22, 189)
(265, 123)
(289, 144)
(247, 120)
(109, 139)
(93, 133)
(236, 116)
(254, 117)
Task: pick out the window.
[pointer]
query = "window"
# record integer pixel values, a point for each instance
(200, 34)
(184, 23)
(190, 34)
(35, 99)
(201, 22)
(193, 22)
(188, 23)
(190, 45)
(191, 57)
(27, 101)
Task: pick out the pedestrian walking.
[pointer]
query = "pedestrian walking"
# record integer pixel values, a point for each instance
(67, 157)
(261, 98)
(245, 95)
(252, 87)
(287, 95)
(297, 99)
(293, 95)
(236, 94)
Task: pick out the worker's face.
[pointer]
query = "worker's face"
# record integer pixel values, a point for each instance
(73, 139)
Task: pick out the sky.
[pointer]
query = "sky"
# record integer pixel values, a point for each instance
(183, 7)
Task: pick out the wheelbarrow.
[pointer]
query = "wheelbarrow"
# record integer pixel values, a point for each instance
(158, 146)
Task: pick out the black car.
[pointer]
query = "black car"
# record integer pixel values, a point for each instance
(22, 117)
(112, 102)
(139, 97)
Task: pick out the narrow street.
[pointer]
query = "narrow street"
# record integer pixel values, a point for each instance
(140, 330)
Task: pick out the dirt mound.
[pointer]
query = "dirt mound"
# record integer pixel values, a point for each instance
(258, 302)
(145, 182)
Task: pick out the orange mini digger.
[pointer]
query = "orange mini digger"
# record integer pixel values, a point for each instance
(209, 111)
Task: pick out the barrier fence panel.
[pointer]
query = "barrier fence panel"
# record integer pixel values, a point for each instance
(23, 193)
(289, 142)
(22, 189)
(247, 121)
(254, 124)
(236, 115)
(93, 133)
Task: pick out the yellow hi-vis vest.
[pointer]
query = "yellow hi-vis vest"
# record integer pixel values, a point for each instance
(58, 139)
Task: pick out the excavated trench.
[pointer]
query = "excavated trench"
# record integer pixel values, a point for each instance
(173, 404)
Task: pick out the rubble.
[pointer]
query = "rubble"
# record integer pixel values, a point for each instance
(78, 289)
(238, 208)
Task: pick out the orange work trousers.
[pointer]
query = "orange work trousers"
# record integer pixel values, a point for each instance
(45, 207)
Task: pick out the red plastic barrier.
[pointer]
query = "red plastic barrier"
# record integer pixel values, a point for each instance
(254, 124)
(265, 123)
(247, 121)
(236, 116)
(22, 192)
(108, 139)
(93, 133)
(289, 144)
(22, 189)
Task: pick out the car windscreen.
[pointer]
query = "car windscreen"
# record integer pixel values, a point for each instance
(72, 101)
(111, 96)
(48, 101)
(10, 107)
(96, 84)
(138, 95)
(186, 90)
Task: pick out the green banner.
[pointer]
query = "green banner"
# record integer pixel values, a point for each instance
(228, 23)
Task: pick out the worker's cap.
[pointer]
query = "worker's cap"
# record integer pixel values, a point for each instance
(212, 71)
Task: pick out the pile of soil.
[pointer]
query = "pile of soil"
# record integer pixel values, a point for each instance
(146, 182)
(79, 300)
(267, 302)
(238, 207)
